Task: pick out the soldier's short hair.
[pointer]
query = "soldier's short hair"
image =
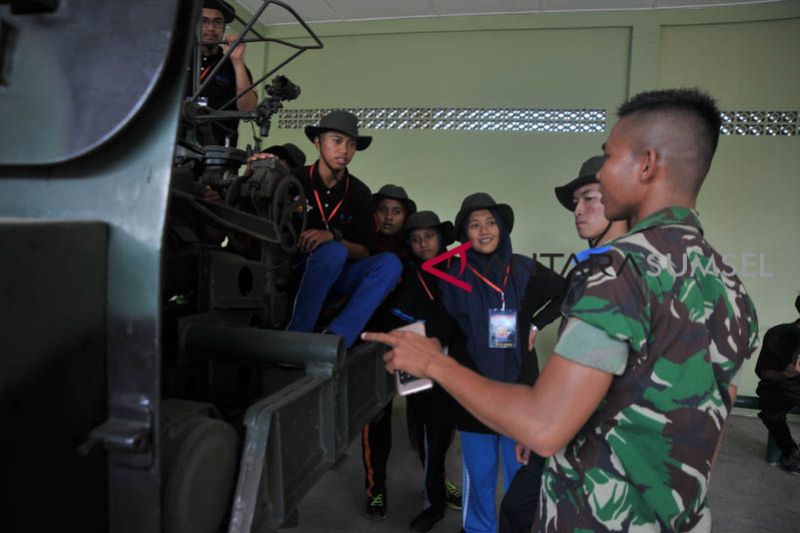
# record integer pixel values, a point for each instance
(797, 303)
(701, 116)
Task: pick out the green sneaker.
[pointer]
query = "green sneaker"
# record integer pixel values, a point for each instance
(376, 507)
(452, 496)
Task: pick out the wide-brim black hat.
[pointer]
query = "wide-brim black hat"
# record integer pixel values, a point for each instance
(429, 219)
(587, 175)
(343, 122)
(228, 13)
(481, 200)
(288, 152)
(395, 192)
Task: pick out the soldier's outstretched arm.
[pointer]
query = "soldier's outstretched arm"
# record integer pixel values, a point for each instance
(544, 417)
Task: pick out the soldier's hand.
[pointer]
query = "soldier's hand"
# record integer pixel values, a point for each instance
(310, 239)
(410, 352)
(237, 56)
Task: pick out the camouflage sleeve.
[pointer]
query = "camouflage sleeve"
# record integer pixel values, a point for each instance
(592, 347)
(610, 295)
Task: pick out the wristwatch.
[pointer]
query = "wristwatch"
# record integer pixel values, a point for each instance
(534, 328)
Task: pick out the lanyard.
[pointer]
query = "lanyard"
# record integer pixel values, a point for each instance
(492, 285)
(326, 220)
(424, 285)
(205, 72)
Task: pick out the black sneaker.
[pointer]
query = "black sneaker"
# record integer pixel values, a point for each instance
(452, 496)
(792, 463)
(376, 507)
(425, 520)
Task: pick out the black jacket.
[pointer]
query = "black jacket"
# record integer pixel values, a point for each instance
(541, 306)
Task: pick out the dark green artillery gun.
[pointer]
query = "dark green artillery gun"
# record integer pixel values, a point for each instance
(146, 383)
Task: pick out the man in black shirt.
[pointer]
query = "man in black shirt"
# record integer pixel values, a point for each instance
(340, 233)
(779, 388)
(231, 79)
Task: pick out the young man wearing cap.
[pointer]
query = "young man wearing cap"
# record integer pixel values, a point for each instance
(581, 196)
(392, 209)
(632, 403)
(232, 78)
(340, 233)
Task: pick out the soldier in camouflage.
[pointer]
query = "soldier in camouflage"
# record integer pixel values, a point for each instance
(630, 407)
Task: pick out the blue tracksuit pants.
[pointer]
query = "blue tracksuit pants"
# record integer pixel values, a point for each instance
(480, 453)
(367, 281)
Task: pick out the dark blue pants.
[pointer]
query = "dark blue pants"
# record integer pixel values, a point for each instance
(367, 281)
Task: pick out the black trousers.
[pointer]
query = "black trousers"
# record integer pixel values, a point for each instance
(521, 501)
(776, 399)
(432, 443)
(376, 443)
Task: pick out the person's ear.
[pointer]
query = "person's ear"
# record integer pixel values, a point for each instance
(649, 161)
(316, 142)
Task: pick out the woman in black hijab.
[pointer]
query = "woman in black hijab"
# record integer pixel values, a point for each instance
(489, 334)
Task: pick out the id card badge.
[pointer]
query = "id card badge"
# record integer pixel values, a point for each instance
(502, 328)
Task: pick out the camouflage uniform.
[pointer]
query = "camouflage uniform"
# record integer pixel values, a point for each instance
(642, 461)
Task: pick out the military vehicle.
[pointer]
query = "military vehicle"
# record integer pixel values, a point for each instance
(146, 383)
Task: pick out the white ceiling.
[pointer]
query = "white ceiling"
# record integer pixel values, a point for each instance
(349, 10)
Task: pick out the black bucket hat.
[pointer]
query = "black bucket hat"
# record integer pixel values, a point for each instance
(481, 200)
(429, 219)
(587, 175)
(288, 152)
(223, 7)
(343, 122)
(395, 192)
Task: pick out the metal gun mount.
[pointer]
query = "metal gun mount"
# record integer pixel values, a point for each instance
(145, 384)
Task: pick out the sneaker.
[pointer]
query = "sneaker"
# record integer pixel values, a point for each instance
(425, 520)
(376, 507)
(452, 496)
(792, 463)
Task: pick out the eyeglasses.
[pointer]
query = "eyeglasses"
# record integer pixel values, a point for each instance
(217, 23)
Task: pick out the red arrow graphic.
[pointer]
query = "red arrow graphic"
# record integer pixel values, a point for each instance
(427, 266)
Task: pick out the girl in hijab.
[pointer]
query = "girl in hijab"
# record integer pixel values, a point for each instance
(489, 333)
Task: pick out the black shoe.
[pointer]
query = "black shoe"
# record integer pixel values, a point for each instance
(376, 507)
(425, 520)
(792, 463)
(452, 496)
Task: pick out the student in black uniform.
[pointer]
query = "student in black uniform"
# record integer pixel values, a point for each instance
(339, 235)
(430, 415)
(506, 288)
(232, 78)
(392, 207)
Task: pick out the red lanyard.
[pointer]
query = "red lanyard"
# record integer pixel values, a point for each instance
(205, 71)
(424, 285)
(326, 220)
(492, 285)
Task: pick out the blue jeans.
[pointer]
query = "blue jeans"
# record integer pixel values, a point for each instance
(367, 281)
(480, 463)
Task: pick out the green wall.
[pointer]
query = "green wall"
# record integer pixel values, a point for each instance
(745, 56)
